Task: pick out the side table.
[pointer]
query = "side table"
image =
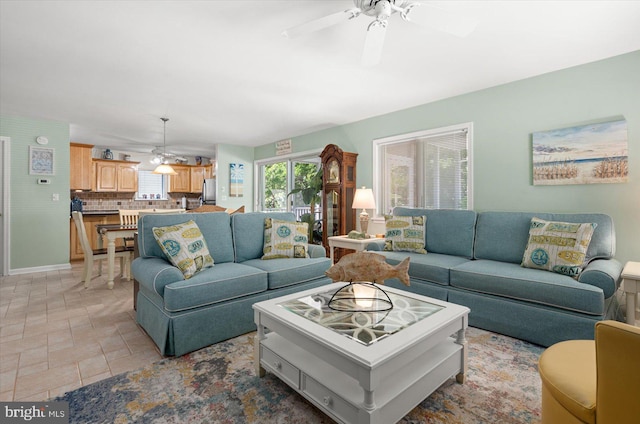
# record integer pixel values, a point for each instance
(631, 281)
(347, 243)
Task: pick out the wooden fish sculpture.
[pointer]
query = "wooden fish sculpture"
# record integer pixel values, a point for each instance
(368, 266)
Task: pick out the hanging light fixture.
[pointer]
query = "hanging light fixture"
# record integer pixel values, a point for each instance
(164, 168)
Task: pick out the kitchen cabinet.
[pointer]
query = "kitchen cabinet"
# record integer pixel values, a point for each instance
(115, 175)
(181, 182)
(189, 178)
(338, 190)
(80, 166)
(90, 222)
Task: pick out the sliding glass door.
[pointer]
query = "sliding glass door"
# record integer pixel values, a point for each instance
(278, 178)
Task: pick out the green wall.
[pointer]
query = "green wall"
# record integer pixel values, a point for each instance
(39, 226)
(504, 118)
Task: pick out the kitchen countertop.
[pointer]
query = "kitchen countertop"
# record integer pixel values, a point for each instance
(103, 212)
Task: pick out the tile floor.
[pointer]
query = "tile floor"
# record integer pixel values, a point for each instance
(56, 336)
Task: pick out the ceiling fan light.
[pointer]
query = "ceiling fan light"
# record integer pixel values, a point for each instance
(164, 169)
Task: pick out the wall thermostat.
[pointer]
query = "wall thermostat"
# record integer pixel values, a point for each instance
(44, 181)
(42, 140)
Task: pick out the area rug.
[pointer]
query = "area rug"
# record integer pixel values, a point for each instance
(218, 384)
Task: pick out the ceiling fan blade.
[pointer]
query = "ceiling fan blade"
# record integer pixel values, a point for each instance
(374, 42)
(321, 23)
(441, 20)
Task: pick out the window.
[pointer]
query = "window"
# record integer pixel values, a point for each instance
(151, 185)
(276, 179)
(426, 169)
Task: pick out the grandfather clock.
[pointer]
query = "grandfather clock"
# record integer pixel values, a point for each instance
(338, 189)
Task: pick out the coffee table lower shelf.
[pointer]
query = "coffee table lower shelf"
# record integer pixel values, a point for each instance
(342, 398)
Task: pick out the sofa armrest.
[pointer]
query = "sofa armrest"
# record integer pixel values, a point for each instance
(603, 273)
(155, 273)
(376, 245)
(317, 251)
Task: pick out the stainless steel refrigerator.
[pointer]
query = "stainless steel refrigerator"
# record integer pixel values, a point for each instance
(209, 191)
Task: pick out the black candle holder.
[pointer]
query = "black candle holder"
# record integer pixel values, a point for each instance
(347, 292)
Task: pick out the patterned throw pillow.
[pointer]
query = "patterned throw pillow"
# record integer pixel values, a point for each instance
(405, 233)
(558, 246)
(185, 247)
(285, 239)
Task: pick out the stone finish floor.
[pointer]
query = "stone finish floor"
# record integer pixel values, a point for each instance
(56, 336)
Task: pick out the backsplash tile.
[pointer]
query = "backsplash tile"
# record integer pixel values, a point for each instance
(92, 201)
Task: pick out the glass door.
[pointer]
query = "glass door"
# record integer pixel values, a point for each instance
(279, 178)
(306, 202)
(274, 179)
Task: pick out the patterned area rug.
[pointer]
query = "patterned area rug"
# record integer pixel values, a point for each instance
(217, 384)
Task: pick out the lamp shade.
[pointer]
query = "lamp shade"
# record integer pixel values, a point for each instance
(363, 199)
(164, 169)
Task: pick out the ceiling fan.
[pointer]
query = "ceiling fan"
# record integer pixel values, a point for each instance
(381, 10)
(162, 156)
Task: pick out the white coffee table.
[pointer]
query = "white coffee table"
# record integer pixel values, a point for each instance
(366, 368)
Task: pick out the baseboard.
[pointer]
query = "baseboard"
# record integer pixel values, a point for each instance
(45, 268)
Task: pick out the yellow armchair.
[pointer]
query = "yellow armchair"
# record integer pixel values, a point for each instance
(593, 381)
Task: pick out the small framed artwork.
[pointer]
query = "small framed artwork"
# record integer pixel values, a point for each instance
(236, 179)
(41, 160)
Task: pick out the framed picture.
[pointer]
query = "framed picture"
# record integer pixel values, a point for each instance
(585, 154)
(41, 160)
(236, 179)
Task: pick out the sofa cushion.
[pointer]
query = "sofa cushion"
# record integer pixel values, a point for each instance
(285, 239)
(503, 236)
(441, 225)
(248, 233)
(286, 272)
(214, 285)
(557, 246)
(215, 227)
(433, 267)
(184, 246)
(405, 233)
(529, 285)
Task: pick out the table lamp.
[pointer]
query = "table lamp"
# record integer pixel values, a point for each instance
(364, 200)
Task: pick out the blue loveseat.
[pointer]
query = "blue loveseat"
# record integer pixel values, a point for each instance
(215, 304)
(474, 260)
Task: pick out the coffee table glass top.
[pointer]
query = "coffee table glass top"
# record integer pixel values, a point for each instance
(364, 327)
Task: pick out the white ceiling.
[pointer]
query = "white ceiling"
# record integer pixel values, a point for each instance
(222, 73)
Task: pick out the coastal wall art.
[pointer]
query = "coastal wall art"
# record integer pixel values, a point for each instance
(236, 179)
(41, 160)
(585, 154)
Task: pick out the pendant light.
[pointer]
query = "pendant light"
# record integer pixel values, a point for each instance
(164, 168)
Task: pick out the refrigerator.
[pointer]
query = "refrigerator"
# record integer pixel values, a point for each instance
(209, 191)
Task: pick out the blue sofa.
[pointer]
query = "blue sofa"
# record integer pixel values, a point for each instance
(474, 260)
(215, 304)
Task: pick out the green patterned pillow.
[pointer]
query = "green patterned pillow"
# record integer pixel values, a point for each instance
(558, 246)
(405, 233)
(185, 247)
(285, 239)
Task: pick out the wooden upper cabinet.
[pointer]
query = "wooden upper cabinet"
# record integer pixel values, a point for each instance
(80, 166)
(115, 175)
(127, 177)
(106, 175)
(189, 178)
(181, 182)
